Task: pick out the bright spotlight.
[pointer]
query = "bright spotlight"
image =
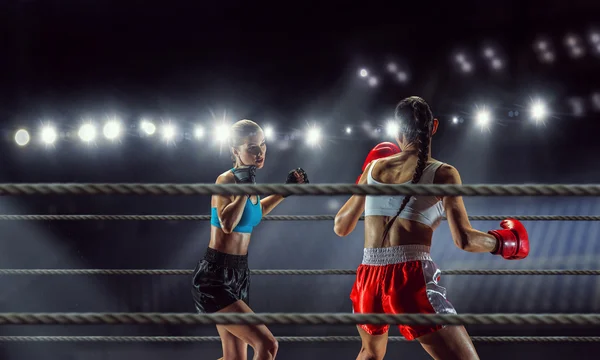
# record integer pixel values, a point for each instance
(538, 111)
(596, 101)
(112, 130)
(48, 135)
(483, 118)
(392, 129)
(313, 136)
(542, 45)
(488, 52)
(455, 120)
(148, 127)
(269, 132)
(168, 132)
(548, 56)
(363, 73)
(571, 40)
(497, 64)
(199, 132)
(221, 133)
(577, 106)
(577, 51)
(22, 137)
(87, 132)
(348, 130)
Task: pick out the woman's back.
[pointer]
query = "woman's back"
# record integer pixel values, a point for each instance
(397, 274)
(421, 215)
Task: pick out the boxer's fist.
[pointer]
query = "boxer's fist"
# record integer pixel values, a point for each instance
(245, 174)
(380, 150)
(513, 242)
(297, 176)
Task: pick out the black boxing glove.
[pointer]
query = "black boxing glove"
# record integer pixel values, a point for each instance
(291, 178)
(245, 174)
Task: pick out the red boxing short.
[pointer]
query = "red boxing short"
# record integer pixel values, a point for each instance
(399, 280)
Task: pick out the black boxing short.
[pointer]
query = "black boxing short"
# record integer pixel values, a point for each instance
(220, 280)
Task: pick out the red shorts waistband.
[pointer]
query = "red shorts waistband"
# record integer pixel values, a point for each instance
(396, 254)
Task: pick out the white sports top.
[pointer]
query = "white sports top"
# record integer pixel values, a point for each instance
(426, 210)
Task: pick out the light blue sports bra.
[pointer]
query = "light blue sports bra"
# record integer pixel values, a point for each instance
(251, 217)
(427, 210)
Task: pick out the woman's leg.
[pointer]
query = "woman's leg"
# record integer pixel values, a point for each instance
(233, 347)
(373, 346)
(449, 343)
(257, 336)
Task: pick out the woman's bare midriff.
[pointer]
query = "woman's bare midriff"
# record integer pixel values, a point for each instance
(402, 232)
(234, 243)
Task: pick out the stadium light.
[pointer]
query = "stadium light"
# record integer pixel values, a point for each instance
(148, 127)
(269, 132)
(538, 111)
(221, 133)
(112, 130)
(87, 132)
(22, 137)
(168, 132)
(313, 136)
(48, 135)
(199, 132)
(392, 128)
(402, 76)
(483, 118)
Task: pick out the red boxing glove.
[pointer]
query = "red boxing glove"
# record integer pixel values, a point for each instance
(381, 150)
(513, 242)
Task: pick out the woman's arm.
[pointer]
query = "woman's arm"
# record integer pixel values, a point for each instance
(230, 212)
(269, 203)
(348, 216)
(465, 237)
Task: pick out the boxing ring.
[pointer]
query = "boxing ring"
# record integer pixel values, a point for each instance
(192, 319)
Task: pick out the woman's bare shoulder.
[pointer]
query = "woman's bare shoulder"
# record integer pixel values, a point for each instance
(225, 178)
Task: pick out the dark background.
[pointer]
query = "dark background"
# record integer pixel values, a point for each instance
(289, 65)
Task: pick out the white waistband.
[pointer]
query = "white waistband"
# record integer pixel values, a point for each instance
(395, 254)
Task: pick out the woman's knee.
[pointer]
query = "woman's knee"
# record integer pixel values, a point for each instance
(266, 348)
(370, 354)
(452, 342)
(269, 345)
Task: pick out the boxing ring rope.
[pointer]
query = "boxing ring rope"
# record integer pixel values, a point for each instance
(270, 217)
(298, 189)
(279, 272)
(289, 318)
(295, 319)
(188, 339)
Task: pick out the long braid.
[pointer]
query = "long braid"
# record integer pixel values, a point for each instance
(422, 140)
